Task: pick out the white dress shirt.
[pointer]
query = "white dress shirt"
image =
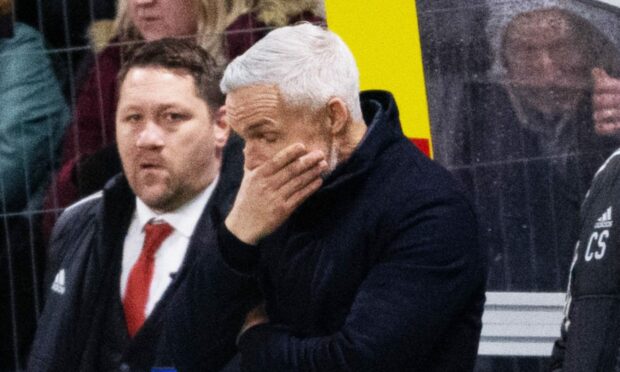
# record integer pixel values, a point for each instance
(171, 253)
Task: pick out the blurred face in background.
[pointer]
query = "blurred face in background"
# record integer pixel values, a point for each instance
(156, 19)
(547, 66)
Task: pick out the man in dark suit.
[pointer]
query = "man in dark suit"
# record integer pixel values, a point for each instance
(120, 255)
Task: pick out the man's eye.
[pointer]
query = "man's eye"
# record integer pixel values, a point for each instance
(174, 116)
(133, 118)
(269, 137)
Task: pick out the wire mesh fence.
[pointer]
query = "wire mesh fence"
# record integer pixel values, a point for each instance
(519, 137)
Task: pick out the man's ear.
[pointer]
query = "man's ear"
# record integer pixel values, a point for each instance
(338, 115)
(221, 128)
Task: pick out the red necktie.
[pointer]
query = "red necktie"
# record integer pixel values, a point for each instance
(139, 282)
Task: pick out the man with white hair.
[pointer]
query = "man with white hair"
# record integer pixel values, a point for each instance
(367, 254)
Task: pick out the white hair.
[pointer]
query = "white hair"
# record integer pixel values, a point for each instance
(309, 65)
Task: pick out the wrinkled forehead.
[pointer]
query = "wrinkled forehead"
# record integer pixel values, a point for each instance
(247, 103)
(244, 94)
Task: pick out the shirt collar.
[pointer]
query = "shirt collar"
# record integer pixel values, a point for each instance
(184, 218)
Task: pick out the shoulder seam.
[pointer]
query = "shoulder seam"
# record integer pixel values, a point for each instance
(609, 159)
(96, 195)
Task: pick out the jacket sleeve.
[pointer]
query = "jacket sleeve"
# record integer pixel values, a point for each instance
(240, 256)
(32, 120)
(559, 347)
(59, 341)
(430, 273)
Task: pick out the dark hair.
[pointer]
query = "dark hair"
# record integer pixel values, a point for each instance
(184, 55)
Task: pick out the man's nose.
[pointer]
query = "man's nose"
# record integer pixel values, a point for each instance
(151, 136)
(548, 66)
(251, 157)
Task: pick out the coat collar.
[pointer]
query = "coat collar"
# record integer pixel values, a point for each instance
(381, 115)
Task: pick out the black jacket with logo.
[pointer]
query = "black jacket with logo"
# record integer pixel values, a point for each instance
(79, 327)
(591, 329)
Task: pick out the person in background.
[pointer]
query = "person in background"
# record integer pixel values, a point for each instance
(120, 255)
(527, 149)
(590, 333)
(224, 28)
(32, 121)
(366, 252)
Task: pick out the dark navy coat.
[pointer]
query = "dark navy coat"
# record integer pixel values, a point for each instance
(379, 270)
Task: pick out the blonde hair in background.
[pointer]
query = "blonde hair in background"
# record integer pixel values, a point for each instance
(5, 7)
(214, 16)
(277, 13)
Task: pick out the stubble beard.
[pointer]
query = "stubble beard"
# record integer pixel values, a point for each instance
(332, 160)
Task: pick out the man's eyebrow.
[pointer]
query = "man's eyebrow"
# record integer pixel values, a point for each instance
(171, 105)
(129, 107)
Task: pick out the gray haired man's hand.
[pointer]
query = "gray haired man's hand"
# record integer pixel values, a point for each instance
(270, 193)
